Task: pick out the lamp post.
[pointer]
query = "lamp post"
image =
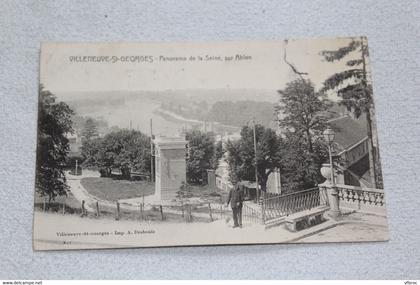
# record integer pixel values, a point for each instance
(259, 194)
(329, 135)
(255, 156)
(332, 192)
(256, 161)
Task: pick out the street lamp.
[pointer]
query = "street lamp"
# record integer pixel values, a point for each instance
(329, 135)
(332, 191)
(255, 157)
(259, 194)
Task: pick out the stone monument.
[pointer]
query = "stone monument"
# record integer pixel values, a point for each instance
(274, 182)
(170, 163)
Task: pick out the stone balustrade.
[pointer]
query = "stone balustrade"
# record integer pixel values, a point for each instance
(351, 197)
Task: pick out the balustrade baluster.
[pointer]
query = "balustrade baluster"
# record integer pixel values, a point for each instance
(364, 198)
(376, 200)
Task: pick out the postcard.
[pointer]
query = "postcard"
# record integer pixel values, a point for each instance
(220, 143)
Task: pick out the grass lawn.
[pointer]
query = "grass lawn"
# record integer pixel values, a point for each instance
(206, 192)
(113, 189)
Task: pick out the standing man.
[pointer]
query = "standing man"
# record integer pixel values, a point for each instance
(236, 198)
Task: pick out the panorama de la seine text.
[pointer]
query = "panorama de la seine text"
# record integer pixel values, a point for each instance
(151, 58)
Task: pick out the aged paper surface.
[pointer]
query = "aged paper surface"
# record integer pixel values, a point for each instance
(175, 144)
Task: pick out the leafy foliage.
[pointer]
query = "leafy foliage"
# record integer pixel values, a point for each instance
(203, 154)
(338, 79)
(185, 192)
(355, 90)
(241, 154)
(302, 115)
(341, 52)
(79, 124)
(352, 84)
(90, 130)
(301, 168)
(90, 152)
(218, 154)
(302, 111)
(127, 150)
(54, 122)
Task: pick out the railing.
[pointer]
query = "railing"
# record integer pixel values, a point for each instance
(368, 196)
(276, 207)
(269, 195)
(368, 200)
(250, 214)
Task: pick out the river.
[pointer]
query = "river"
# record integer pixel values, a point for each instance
(138, 113)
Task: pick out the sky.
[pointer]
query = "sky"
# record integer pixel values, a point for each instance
(65, 72)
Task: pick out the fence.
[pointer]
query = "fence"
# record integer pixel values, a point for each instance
(361, 199)
(273, 207)
(250, 214)
(279, 206)
(187, 212)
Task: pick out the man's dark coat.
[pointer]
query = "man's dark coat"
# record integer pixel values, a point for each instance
(236, 197)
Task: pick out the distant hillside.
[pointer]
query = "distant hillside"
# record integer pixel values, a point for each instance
(241, 112)
(237, 113)
(210, 96)
(229, 107)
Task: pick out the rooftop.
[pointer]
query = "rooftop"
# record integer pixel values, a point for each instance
(348, 131)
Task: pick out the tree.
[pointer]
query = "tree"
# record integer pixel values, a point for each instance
(302, 110)
(126, 150)
(90, 152)
(301, 169)
(201, 155)
(218, 154)
(303, 114)
(241, 155)
(54, 122)
(90, 129)
(355, 89)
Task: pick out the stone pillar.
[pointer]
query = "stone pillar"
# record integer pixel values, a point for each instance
(211, 178)
(274, 182)
(332, 192)
(170, 164)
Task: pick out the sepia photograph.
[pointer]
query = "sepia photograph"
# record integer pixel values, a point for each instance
(184, 144)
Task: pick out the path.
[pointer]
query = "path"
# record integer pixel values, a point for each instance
(132, 204)
(78, 191)
(357, 226)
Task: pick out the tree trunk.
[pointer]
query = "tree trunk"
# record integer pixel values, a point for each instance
(125, 173)
(371, 150)
(308, 136)
(49, 201)
(371, 147)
